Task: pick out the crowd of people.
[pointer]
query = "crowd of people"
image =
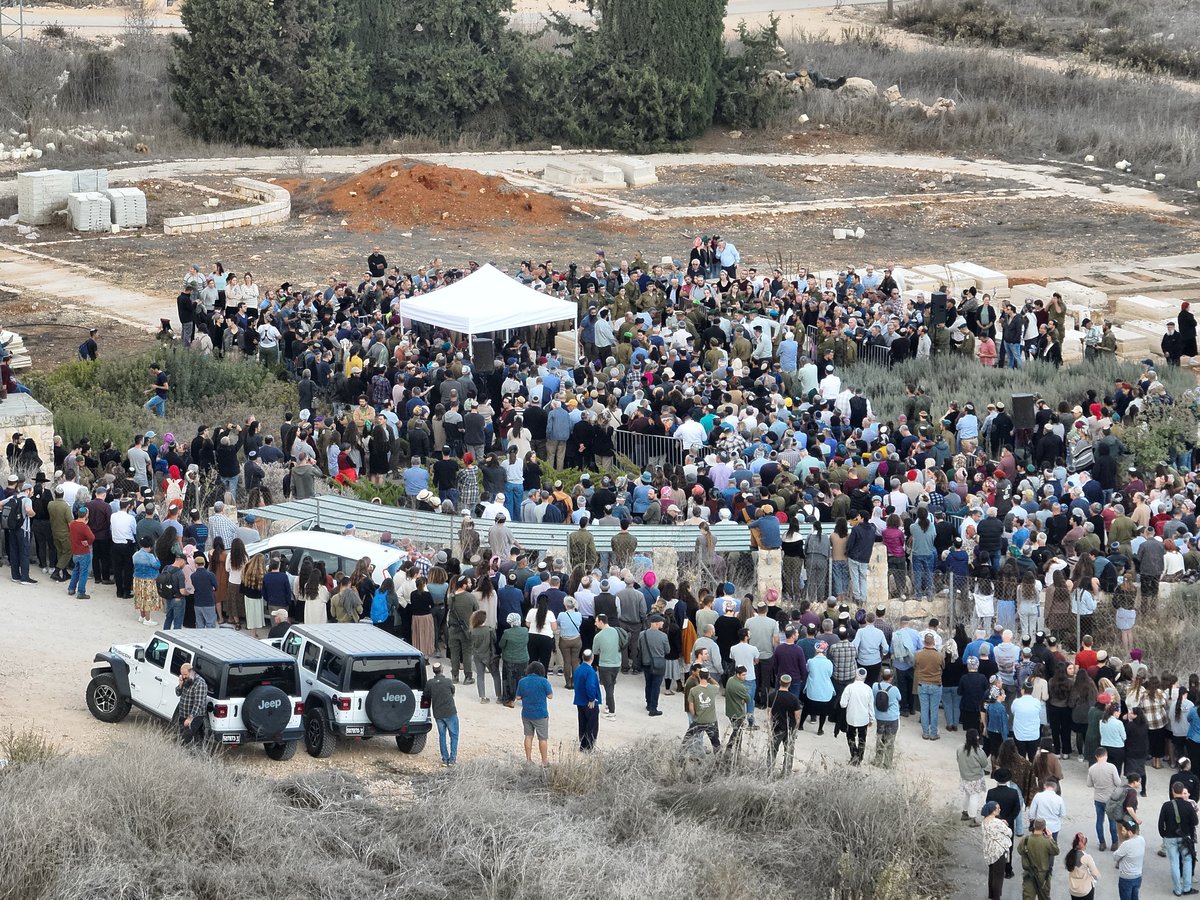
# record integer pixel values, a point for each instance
(1040, 536)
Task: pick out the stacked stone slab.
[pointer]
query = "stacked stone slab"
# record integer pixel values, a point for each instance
(128, 207)
(12, 342)
(89, 211)
(41, 194)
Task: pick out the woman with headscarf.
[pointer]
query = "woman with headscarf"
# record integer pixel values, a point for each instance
(173, 486)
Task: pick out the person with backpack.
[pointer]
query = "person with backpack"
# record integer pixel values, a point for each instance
(170, 585)
(887, 719)
(88, 350)
(1104, 780)
(1177, 823)
(383, 605)
(347, 603)
(16, 516)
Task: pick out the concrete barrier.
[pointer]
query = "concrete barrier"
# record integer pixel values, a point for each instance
(275, 205)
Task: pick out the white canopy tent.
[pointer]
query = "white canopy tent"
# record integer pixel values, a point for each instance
(487, 301)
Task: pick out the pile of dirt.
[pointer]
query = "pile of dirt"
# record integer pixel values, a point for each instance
(402, 195)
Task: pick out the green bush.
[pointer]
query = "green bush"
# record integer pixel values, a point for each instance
(952, 378)
(104, 400)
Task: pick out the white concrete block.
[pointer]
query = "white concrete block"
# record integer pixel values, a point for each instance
(955, 282)
(1147, 309)
(603, 174)
(1079, 295)
(567, 174)
(987, 281)
(637, 172)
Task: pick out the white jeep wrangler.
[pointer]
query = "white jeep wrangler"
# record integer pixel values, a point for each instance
(253, 690)
(356, 680)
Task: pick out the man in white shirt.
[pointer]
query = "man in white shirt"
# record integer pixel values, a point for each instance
(70, 488)
(858, 702)
(1027, 721)
(122, 526)
(1049, 806)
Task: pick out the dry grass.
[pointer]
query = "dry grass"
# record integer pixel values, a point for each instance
(152, 820)
(1006, 108)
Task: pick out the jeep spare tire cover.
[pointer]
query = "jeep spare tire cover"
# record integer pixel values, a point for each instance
(390, 704)
(267, 711)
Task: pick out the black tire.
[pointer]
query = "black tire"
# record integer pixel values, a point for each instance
(104, 699)
(282, 751)
(267, 711)
(319, 741)
(390, 704)
(411, 743)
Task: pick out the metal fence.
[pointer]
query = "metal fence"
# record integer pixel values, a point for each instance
(648, 450)
(1163, 619)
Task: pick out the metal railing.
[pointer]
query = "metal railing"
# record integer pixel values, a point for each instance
(648, 450)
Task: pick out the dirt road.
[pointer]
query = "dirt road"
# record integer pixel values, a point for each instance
(47, 642)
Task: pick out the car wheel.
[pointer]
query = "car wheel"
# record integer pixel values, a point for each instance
(319, 741)
(104, 698)
(284, 750)
(410, 743)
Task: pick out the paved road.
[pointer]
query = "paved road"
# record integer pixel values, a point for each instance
(527, 15)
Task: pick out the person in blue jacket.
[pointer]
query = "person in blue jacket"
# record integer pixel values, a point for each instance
(587, 701)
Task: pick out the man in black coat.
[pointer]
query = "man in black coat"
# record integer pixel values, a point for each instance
(1172, 344)
(1010, 807)
(1187, 330)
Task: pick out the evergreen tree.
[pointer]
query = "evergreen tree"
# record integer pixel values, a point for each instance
(436, 65)
(325, 76)
(225, 72)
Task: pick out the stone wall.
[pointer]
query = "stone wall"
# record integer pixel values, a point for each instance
(20, 412)
(275, 205)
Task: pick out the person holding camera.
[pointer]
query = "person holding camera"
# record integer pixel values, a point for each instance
(192, 692)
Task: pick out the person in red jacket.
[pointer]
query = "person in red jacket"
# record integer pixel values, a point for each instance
(82, 541)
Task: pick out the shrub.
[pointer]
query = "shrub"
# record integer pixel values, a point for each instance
(952, 378)
(104, 400)
(176, 824)
(28, 746)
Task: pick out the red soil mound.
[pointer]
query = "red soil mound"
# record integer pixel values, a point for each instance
(400, 194)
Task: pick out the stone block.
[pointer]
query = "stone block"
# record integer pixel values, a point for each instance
(1080, 295)
(769, 573)
(636, 172)
(603, 173)
(954, 282)
(915, 281)
(1150, 309)
(566, 174)
(987, 281)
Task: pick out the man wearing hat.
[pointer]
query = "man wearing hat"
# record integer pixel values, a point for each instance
(587, 700)
(785, 719)
(653, 648)
(60, 529)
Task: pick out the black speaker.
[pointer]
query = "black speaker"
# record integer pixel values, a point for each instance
(1022, 410)
(937, 309)
(483, 354)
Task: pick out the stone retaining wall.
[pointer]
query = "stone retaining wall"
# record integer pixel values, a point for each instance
(275, 205)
